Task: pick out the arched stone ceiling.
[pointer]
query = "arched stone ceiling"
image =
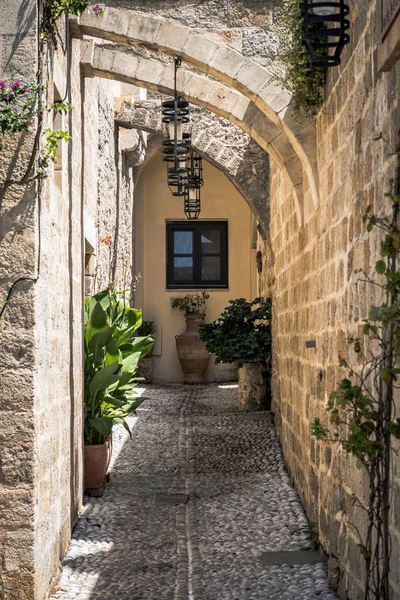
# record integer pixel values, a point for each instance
(293, 146)
(131, 65)
(224, 145)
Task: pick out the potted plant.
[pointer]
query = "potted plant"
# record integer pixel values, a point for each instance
(147, 328)
(192, 352)
(111, 358)
(242, 334)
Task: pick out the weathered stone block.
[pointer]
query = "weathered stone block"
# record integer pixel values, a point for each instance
(249, 13)
(252, 387)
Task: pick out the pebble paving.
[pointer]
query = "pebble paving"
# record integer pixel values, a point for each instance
(195, 498)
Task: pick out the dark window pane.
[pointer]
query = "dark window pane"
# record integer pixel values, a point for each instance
(210, 241)
(183, 242)
(183, 268)
(210, 268)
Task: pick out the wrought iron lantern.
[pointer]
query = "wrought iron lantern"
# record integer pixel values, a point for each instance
(192, 190)
(176, 148)
(325, 27)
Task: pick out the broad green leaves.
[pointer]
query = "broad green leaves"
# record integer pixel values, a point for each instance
(111, 359)
(242, 333)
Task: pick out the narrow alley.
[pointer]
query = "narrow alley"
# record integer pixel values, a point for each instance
(195, 499)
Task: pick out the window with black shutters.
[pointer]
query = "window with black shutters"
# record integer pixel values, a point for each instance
(197, 254)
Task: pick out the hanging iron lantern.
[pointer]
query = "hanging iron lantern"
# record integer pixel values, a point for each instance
(175, 114)
(325, 26)
(192, 203)
(195, 182)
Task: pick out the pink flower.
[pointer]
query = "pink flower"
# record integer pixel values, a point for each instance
(15, 85)
(26, 89)
(8, 96)
(3, 84)
(96, 9)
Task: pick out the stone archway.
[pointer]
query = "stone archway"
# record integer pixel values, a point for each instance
(156, 73)
(251, 97)
(224, 145)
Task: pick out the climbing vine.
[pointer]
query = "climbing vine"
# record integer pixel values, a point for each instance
(362, 411)
(304, 81)
(22, 108)
(53, 10)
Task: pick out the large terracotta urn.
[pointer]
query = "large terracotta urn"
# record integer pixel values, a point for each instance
(192, 352)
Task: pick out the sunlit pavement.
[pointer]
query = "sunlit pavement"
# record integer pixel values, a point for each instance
(196, 499)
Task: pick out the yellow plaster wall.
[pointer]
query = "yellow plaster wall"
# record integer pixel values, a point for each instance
(154, 205)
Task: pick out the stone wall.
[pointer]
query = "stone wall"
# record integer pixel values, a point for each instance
(43, 238)
(309, 257)
(108, 187)
(309, 267)
(18, 258)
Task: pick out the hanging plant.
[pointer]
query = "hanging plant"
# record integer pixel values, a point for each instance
(301, 79)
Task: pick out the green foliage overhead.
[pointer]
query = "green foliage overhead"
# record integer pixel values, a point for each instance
(242, 334)
(304, 81)
(111, 359)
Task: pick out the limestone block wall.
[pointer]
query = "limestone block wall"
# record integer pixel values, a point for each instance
(18, 257)
(41, 333)
(246, 25)
(43, 237)
(308, 268)
(57, 407)
(108, 188)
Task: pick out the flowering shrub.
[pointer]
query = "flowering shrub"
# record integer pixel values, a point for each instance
(18, 105)
(57, 8)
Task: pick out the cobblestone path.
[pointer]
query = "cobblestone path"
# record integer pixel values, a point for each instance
(230, 501)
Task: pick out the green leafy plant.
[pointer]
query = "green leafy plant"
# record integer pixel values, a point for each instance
(53, 10)
(242, 333)
(362, 411)
(191, 303)
(312, 534)
(146, 328)
(304, 81)
(111, 359)
(18, 105)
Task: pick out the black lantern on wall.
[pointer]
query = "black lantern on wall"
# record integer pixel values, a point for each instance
(325, 27)
(192, 190)
(176, 148)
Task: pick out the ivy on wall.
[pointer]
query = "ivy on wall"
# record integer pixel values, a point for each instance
(303, 81)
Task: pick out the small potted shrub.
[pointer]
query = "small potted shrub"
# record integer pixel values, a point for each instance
(111, 358)
(242, 334)
(192, 352)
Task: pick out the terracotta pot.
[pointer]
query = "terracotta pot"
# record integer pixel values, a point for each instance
(150, 352)
(97, 458)
(192, 352)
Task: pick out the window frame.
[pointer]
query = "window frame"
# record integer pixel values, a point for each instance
(196, 227)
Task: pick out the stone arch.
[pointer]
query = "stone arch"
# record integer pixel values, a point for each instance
(222, 144)
(291, 144)
(137, 67)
